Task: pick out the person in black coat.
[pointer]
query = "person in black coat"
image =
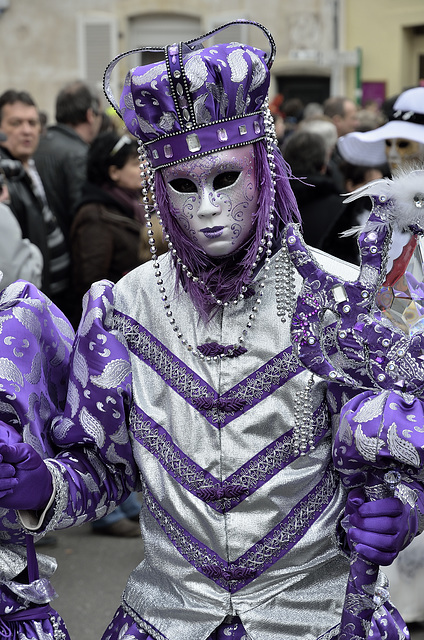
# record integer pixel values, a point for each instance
(317, 194)
(61, 155)
(20, 126)
(356, 212)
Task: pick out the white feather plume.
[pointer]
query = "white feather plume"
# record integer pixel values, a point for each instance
(381, 187)
(405, 185)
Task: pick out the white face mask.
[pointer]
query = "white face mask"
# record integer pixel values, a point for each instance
(215, 198)
(400, 152)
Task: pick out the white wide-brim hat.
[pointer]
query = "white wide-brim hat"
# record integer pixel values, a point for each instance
(368, 148)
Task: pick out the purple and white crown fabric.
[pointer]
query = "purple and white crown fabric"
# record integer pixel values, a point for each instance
(197, 100)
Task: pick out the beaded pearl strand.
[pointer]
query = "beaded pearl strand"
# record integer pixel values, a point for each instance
(150, 205)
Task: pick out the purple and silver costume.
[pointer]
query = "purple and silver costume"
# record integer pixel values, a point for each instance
(36, 342)
(237, 525)
(234, 521)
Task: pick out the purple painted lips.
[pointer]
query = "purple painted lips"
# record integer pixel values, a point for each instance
(212, 232)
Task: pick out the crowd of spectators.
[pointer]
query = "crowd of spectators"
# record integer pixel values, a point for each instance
(51, 184)
(328, 149)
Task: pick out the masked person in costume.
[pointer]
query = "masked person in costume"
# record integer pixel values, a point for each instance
(399, 142)
(36, 341)
(184, 384)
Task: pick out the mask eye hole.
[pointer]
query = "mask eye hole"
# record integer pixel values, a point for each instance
(388, 143)
(403, 144)
(183, 185)
(226, 179)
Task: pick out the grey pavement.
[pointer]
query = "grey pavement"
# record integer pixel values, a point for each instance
(92, 573)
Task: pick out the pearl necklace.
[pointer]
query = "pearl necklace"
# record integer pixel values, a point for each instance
(241, 339)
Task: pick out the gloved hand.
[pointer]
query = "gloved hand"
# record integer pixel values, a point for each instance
(8, 434)
(379, 529)
(25, 481)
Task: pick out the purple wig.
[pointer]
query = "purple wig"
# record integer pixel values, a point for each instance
(226, 276)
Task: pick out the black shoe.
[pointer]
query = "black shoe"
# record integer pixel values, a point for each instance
(123, 528)
(134, 518)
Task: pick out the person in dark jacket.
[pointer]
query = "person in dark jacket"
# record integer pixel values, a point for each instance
(20, 124)
(345, 246)
(105, 234)
(61, 156)
(318, 197)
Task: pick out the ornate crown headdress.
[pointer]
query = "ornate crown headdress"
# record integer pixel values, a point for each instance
(197, 100)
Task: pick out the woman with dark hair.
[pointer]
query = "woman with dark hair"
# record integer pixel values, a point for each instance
(105, 237)
(105, 234)
(317, 194)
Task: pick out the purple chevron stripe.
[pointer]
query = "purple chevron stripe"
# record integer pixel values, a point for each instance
(217, 410)
(289, 531)
(154, 353)
(220, 496)
(263, 382)
(276, 456)
(182, 468)
(233, 576)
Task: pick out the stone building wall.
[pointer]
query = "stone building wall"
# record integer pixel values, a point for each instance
(47, 43)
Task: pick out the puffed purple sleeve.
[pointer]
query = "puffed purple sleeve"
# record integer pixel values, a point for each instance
(36, 340)
(95, 469)
(383, 431)
(375, 432)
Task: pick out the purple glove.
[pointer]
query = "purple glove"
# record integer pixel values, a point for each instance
(25, 481)
(379, 529)
(9, 435)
